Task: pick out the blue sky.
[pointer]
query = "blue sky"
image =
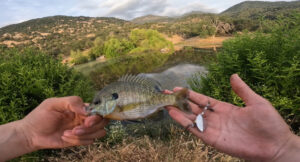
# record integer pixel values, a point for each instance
(15, 11)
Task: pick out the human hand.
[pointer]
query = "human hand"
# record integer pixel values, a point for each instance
(255, 132)
(61, 122)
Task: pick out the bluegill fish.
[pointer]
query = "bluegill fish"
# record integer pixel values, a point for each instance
(135, 97)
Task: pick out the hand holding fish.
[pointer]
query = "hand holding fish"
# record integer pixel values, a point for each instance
(255, 132)
(62, 122)
(55, 123)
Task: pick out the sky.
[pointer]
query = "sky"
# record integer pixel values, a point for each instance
(16, 11)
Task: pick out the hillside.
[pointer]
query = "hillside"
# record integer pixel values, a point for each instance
(151, 19)
(194, 24)
(60, 34)
(257, 9)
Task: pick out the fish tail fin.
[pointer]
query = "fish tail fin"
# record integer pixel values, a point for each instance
(182, 100)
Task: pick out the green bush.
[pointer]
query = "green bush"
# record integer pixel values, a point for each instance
(78, 57)
(115, 47)
(268, 63)
(95, 52)
(97, 49)
(28, 77)
(149, 40)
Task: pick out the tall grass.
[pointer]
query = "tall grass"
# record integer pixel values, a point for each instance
(134, 143)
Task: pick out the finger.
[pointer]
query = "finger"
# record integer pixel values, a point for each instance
(73, 103)
(167, 91)
(210, 133)
(243, 90)
(192, 117)
(81, 130)
(210, 118)
(98, 134)
(180, 118)
(74, 142)
(92, 120)
(198, 98)
(195, 108)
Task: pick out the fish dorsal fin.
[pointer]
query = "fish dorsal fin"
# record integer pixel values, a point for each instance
(143, 80)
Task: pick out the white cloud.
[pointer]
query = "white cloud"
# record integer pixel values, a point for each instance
(14, 11)
(133, 8)
(194, 6)
(128, 9)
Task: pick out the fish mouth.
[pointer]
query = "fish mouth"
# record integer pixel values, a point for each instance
(89, 110)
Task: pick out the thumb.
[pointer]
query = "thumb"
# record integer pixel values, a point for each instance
(243, 90)
(71, 103)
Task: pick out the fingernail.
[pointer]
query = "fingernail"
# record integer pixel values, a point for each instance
(79, 131)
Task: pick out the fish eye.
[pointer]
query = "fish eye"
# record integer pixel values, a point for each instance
(115, 96)
(97, 102)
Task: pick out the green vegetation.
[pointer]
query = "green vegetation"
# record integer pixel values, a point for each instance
(149, 40)
(78, 57)
(115, 47)
(59, 35)
(139, 41)
(97, 49)
(257, 15)
(268, 60)
(257, 9)
(29, 76)
(268, 63)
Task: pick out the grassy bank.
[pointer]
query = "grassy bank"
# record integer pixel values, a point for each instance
(158, 141)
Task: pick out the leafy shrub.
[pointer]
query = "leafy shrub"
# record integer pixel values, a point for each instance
(78, 57)
(268, 63)
(28, 77)
(95, 52)
(97, 49)
(149, 40)
(115, 47)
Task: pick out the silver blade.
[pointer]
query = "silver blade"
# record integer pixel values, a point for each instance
(200, 123)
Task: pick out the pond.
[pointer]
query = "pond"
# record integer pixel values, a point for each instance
(165, 68)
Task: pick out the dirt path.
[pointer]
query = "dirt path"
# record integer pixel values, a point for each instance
(209, 42)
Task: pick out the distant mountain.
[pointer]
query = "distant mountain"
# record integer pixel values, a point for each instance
(47, 24)
(160, 19)
(61, 34)
(256, 9)
(193, 13)
(150, 19)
